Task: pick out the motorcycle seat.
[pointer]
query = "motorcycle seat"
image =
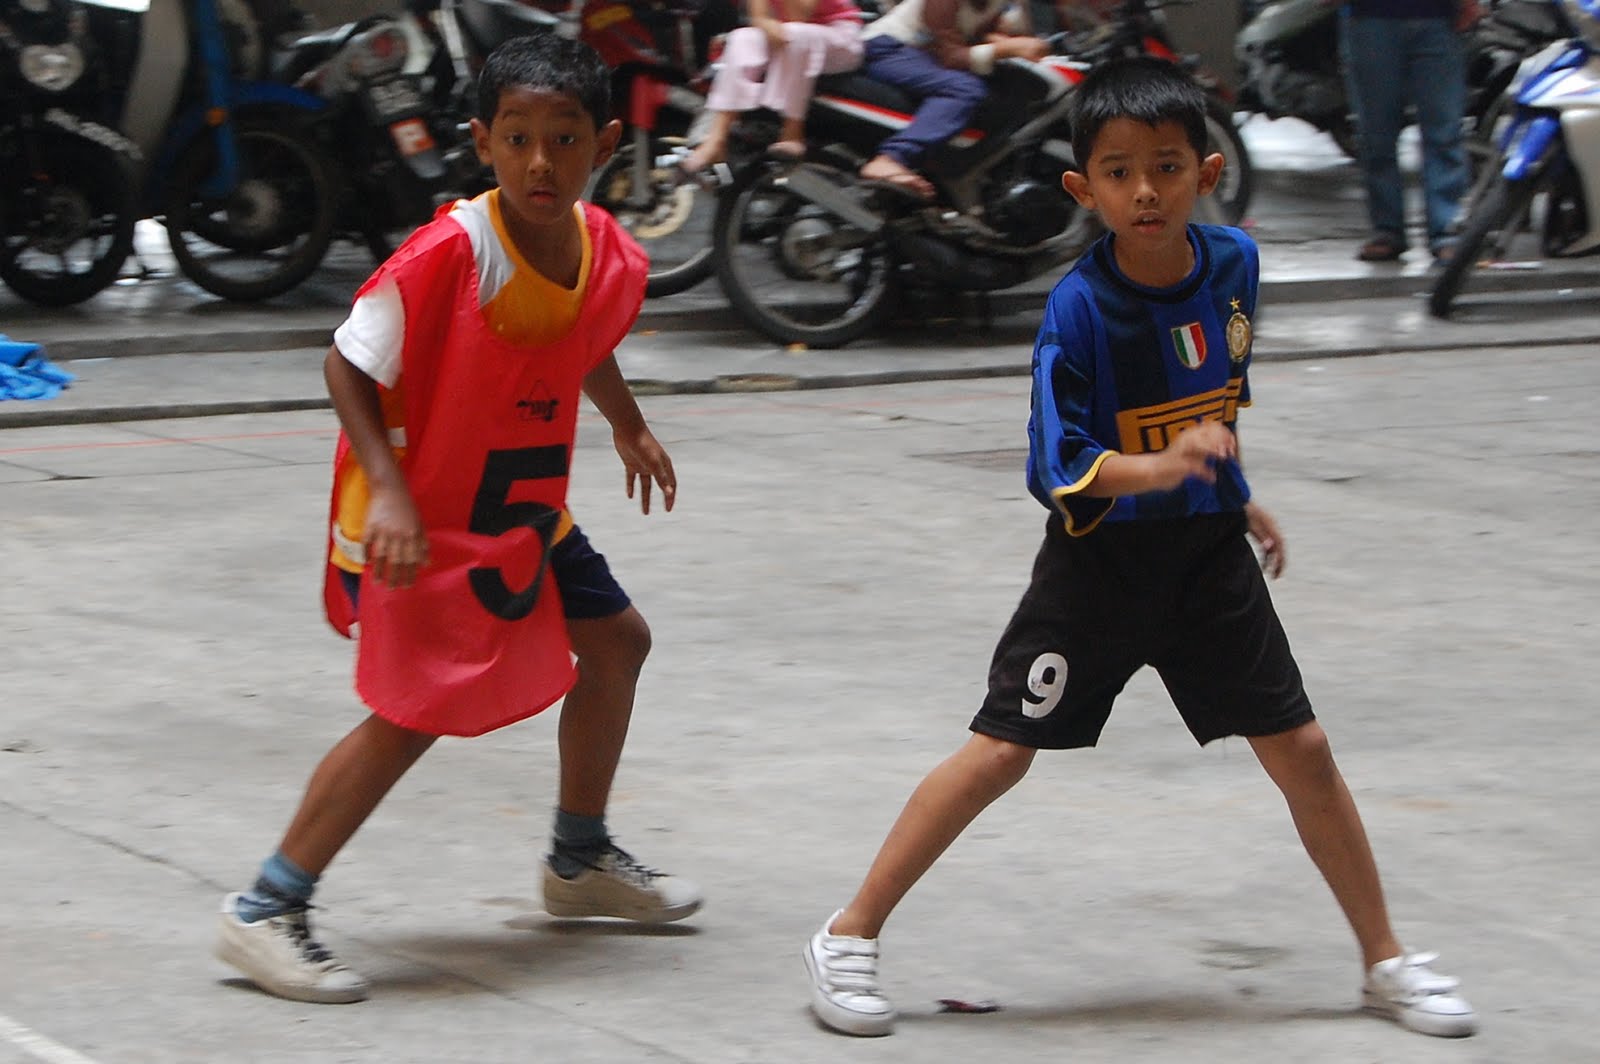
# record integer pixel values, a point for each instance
(487, 23)
(857, 86)
(298, 57)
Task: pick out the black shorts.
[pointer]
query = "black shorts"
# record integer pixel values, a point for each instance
(1185, 596)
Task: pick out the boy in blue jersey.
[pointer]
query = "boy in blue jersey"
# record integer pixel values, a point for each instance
(1138, 373)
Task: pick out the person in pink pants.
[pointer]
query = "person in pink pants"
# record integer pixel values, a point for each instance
(773, 62)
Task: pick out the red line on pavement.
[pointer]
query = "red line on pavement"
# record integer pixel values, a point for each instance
(167, 441)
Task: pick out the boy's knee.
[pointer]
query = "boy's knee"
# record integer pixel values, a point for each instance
(620, 643)
(1303, 752)
(1000, 761)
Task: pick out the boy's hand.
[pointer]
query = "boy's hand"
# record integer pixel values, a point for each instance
(645, 459)
(1195, 453)
(396, 543)
(1265, 532)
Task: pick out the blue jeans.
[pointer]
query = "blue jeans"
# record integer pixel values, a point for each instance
(1390, 63)
(948, 96)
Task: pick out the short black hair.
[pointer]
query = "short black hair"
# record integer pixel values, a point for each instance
(1143, 88)
(551, 62)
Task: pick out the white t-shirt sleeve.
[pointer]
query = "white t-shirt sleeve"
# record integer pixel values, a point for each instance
(373, 336)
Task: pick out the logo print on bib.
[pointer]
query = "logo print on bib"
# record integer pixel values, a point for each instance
(1047, 681)
(1189, 343)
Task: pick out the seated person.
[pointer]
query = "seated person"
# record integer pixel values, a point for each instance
(774, 63)
(939, 51)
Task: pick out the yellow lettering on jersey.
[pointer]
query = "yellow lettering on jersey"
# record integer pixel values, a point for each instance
(1153, 428)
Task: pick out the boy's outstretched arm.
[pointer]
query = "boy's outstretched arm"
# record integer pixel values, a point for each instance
(1195, 453)
(395, 541)
(642, 455)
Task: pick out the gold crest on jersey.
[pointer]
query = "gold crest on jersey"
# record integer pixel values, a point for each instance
(1239, 333)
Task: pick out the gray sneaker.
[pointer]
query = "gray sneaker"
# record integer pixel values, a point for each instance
(280, 956)
(1412, 994)
(614, 884)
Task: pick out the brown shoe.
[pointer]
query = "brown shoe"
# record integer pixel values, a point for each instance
(1381, 248)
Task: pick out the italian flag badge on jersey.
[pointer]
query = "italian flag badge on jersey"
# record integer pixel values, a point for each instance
(1189, 341)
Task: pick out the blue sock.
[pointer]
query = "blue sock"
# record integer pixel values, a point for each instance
(576, 838)
(282, 886)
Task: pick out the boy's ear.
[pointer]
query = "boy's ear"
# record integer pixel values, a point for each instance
(606, 142)
(1210, 172)
(480, 141)
(1077, 187)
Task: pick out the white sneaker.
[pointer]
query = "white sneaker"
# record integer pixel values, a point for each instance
(1406, 990)
(280, 956)
(844, 983)
(617, 885)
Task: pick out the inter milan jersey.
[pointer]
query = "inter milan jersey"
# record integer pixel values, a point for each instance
(1119, 367)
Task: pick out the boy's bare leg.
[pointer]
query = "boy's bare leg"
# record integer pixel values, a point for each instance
(346, 787)
(941, 807)
(1301, 764)
(265, 931)
(595, 715)
(599, 879)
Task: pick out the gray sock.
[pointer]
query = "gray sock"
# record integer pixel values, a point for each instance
(282, 886)
(576, 840)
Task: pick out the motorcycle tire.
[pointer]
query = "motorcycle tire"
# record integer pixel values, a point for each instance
(1237, 183)
(267, 234)
(1501, 208)
(67, 224)
(775, 249)
(673, 226)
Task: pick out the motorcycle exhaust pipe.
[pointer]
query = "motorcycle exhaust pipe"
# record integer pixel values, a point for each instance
(811, 186)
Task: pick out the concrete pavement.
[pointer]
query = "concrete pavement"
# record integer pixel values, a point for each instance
(824, 602)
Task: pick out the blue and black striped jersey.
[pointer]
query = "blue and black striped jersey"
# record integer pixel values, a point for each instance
(1119, 367)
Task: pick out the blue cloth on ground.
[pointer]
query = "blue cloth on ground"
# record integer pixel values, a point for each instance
(26, 374)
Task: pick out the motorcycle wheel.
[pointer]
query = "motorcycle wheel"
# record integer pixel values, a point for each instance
(674, 223)
(792, 269)
(269, 232)
(1497, 218)
(1237, 182)
(67, 224)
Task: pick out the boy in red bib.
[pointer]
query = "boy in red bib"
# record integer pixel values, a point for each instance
(456, 379)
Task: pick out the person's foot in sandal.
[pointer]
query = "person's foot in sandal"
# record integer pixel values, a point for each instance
(896, 175)
(1383, 247)
(787, 149)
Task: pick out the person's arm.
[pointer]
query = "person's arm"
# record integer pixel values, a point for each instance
(395, 542)
(642, 455)
(1263, 527)
(1195, 453)
(762, 17)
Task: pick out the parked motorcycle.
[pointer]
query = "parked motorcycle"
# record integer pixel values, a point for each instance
(399, 155)
(1137, 27)
(248, 195)
(1289, 66)
(663, 57)
(808, 253)
(1549, 153)
(67, 206)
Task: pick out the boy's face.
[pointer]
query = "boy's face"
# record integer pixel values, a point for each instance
(543, 146)
(1144, 180)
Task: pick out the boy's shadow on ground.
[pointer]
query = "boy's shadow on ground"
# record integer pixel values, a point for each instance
(1128, 1012)
(420, 965)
